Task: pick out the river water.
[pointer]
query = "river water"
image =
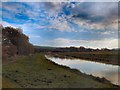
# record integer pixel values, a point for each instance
(110, 72)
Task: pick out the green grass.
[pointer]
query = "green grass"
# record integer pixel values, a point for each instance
(37, 72)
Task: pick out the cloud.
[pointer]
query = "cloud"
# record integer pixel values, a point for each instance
(90, 15)
(84, 20)
(55, 14)
(5, 23)
(103, 43)
(60, 0)
(95, 12)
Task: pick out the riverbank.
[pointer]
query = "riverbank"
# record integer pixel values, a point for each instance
(110, 72)
(108, 57)
(36, 71)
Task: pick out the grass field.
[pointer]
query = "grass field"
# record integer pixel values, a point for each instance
(36, 71)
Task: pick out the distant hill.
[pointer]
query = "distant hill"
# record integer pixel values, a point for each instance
(14, 42)
(44, 48)
(68, 49)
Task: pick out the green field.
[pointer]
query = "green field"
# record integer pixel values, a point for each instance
(36, 71)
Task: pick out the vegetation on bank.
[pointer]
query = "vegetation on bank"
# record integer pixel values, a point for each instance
(108, 57)
(36, 71)
(71, 49)
(103, 55)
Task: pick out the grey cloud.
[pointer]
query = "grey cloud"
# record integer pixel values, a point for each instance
(95, 12)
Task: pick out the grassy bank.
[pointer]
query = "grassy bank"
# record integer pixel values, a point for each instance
(108, 57)
(36, 71)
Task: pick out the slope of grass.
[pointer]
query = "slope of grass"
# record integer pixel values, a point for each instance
(36, 71)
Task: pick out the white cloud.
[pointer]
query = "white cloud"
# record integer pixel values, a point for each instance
(5, 24)
(83, 23)
(61, 25)
(104, 43)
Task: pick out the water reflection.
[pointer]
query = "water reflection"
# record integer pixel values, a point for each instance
(108, 71)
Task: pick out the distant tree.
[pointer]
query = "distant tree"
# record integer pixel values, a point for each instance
(104, 49)
(81, 48)
(73, 49)
(97, 49)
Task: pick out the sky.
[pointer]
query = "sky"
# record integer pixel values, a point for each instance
(65, 24)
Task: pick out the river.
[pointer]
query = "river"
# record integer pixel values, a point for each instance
(110, 72)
